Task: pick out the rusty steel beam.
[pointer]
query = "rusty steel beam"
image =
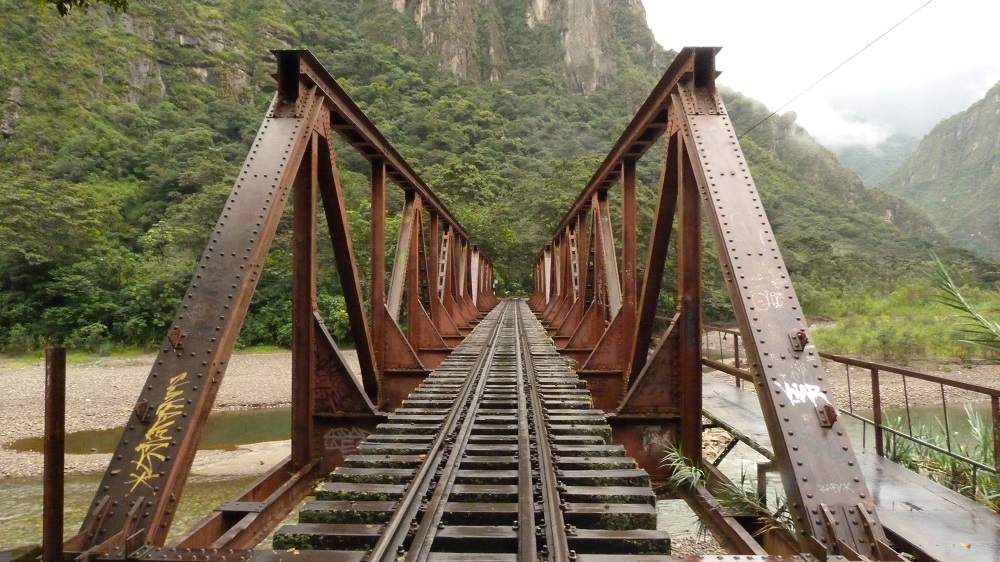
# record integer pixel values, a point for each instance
(814, 455)
(689, 284)
(335, 210)
(656, 253)
(55, 454)
(304, 249)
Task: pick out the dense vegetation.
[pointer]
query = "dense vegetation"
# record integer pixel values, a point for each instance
(121, 136)
(953, 175)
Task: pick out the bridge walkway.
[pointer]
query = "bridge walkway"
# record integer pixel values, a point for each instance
(935, 521)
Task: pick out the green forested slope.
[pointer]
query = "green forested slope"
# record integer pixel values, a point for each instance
(954, 175)
(875, 164)
(120, 136)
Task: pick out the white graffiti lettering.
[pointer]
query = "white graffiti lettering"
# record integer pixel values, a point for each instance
(834, 488)
(798, 393)
(766, 300)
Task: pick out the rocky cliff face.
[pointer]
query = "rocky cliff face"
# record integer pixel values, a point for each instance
(480, 39)
(954, 175)
(461, 33)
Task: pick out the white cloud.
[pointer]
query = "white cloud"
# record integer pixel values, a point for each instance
(936, 63)
(836, 127)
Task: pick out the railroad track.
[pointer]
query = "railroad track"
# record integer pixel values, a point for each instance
(498, 455)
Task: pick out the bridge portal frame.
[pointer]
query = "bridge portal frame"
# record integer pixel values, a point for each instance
(654, 395)
(445, 282)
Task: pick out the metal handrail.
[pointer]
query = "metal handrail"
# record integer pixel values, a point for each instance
(874, 369)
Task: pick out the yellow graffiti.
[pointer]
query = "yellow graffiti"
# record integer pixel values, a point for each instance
(157, 436)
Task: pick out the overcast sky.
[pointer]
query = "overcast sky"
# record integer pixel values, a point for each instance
(934, 65)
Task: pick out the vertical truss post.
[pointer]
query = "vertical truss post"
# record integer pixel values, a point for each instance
(476, 272)
(377, 314)
(689, 310)
(547, 273)
(304, 304)
(629, 233)
(415, 313)
(55, 455)
(465, 275)
(557, 279)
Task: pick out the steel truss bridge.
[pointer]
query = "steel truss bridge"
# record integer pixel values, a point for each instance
(505, 430)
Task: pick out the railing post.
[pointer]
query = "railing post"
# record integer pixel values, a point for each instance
(736, 350)
(736, 357)
(55, 449)
(877, 414)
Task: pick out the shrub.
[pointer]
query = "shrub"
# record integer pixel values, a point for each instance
(19, 341)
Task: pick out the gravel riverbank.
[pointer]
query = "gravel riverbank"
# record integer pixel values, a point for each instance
(100, 394)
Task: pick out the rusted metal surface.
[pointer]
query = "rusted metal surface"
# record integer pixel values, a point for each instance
(55, 451)
(818, 466)
(292, 155)
(154, 455)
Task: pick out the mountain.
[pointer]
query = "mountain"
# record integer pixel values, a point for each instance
(590, 41)
(954, 175)
(875, 164)
(121, 135)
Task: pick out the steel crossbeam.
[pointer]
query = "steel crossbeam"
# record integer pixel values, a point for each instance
(654, 394)
(292, 157)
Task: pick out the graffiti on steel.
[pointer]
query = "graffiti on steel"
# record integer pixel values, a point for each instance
(799, 393)
(344, 440)
(157, 437)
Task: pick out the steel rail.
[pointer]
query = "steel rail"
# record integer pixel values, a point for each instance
(556, 545)
(527, 544)
(423, 536)
(394, 535)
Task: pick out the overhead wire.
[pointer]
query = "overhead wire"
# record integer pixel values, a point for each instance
(835, 69)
